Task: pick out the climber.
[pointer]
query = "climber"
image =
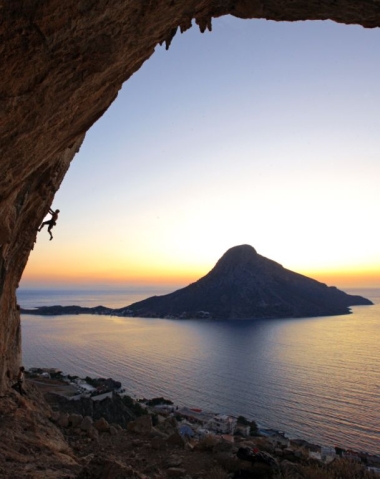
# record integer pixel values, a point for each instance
(52, 222)
(18, 386)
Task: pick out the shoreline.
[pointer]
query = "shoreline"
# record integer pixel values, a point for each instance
(126, 312)
(303, 419)
(316, 451)
(205, 399)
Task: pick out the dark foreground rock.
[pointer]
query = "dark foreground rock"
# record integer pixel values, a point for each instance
(113, 409)
(39, 443)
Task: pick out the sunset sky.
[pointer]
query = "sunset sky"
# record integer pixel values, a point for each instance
(258, 133)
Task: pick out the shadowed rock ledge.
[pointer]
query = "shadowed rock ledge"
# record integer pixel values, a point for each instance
(62, 65)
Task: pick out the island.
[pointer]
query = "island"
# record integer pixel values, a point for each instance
(242, 285)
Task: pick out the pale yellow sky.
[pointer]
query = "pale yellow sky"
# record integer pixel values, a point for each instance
(258, 133)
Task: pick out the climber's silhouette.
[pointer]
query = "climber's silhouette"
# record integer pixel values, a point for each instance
(52, 222)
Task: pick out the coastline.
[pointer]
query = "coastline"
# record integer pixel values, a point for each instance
(47, 440)
(323, 453)
(282, 393)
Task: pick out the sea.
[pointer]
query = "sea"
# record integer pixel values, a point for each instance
(316, 379)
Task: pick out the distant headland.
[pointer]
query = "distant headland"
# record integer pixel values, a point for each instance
(242, 285)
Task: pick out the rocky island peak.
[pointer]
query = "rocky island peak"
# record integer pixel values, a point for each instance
(242, 285)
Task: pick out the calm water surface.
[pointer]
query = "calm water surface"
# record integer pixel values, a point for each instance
(317, 378)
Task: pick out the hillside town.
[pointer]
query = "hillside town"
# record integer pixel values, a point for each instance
(190, 425)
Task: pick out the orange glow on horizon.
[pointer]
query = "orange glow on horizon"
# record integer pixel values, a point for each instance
(181, 278)
(138, 266)
(159, 278)
(347, 279)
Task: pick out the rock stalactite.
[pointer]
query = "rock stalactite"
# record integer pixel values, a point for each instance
(62, 65)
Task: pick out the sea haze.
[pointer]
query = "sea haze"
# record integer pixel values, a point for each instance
(314, 378)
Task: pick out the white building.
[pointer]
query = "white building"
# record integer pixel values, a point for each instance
(243, 430)
(328, 454)
(222, 424)
(279, 440)
(83, 386)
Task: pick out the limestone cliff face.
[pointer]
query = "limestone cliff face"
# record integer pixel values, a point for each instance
(62, 64)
